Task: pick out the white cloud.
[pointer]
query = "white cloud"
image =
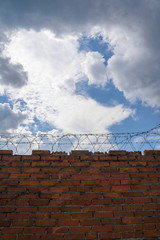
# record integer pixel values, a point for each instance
(54, 66)
(95, 69)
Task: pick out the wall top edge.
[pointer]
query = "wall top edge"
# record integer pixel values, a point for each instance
(88, 153)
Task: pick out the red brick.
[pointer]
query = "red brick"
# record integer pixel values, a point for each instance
(70, 170)
(112, 195)
(135, 164)
(90, 222)
(58, 230)
(52, 237)
(5, 223)
(101, 189)
(29, 183)
(29, 237)
(152, 233)
(34, 230)
(26, 209)
(123, 228)
(90, 182)
(9, 237)
(60, 164)
(81, 215)
(118, 164)
(102, 228)
(99, 164)
(6, 209)
(12, 230)
(45, 223)
(3, 175)
(120, 188)
(108, 158)
(59, 189)
(30, 158)
(48, 183)
(31, 170)
(10, 170)
(74, 236)
(79, 229)
(110, 235)
(70, 195)
(6, 152)
(61, 215)
(23, 223)
(68, 222)
(131, 220)
(128, 170)
(103, 214)
(40, 164)
(80, 164)
(91, 236)
(38, 202)
(130, 182)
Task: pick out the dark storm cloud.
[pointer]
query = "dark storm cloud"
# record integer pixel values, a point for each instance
(12, 75)
(9, 119)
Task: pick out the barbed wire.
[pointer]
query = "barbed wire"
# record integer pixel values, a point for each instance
(134, 141)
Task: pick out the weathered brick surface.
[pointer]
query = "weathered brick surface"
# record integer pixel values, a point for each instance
(80, 196)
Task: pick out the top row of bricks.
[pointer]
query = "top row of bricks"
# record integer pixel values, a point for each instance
(87, 153)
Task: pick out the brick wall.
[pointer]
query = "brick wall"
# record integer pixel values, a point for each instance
(80, 196)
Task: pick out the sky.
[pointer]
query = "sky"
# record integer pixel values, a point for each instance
(79, 66)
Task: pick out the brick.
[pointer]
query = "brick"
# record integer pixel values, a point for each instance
(103, 214)
(123, 228)
(80, 164)
(70, 170)
(12, 230)
(30, 158)
(6, 152)
(102, 228)
(6, 209)
(40, 164)
(61, 215)
(60, 164)
(81, 215)
(120, 188)
(118, 164)
(10, 170)
(128, 170)
(59, 189)
(110, 235)
(68, 222)
(91, 236)
(29, 237)
(45, 223)
(79, 229)
(31, 170)
(135, 164)
(90, 170)
(5, 223)
(101, 189)
(58, 230)
(40, 152)
(29, 183)
(34, 230)
(74, 236)
(90, 182)
(38, 202)
(23, 223)
(40, 176)
(9, 237)
(99, 164)
(26, 209)
(89, 222)
(131, 220)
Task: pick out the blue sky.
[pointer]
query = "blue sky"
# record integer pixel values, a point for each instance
(79, 68)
